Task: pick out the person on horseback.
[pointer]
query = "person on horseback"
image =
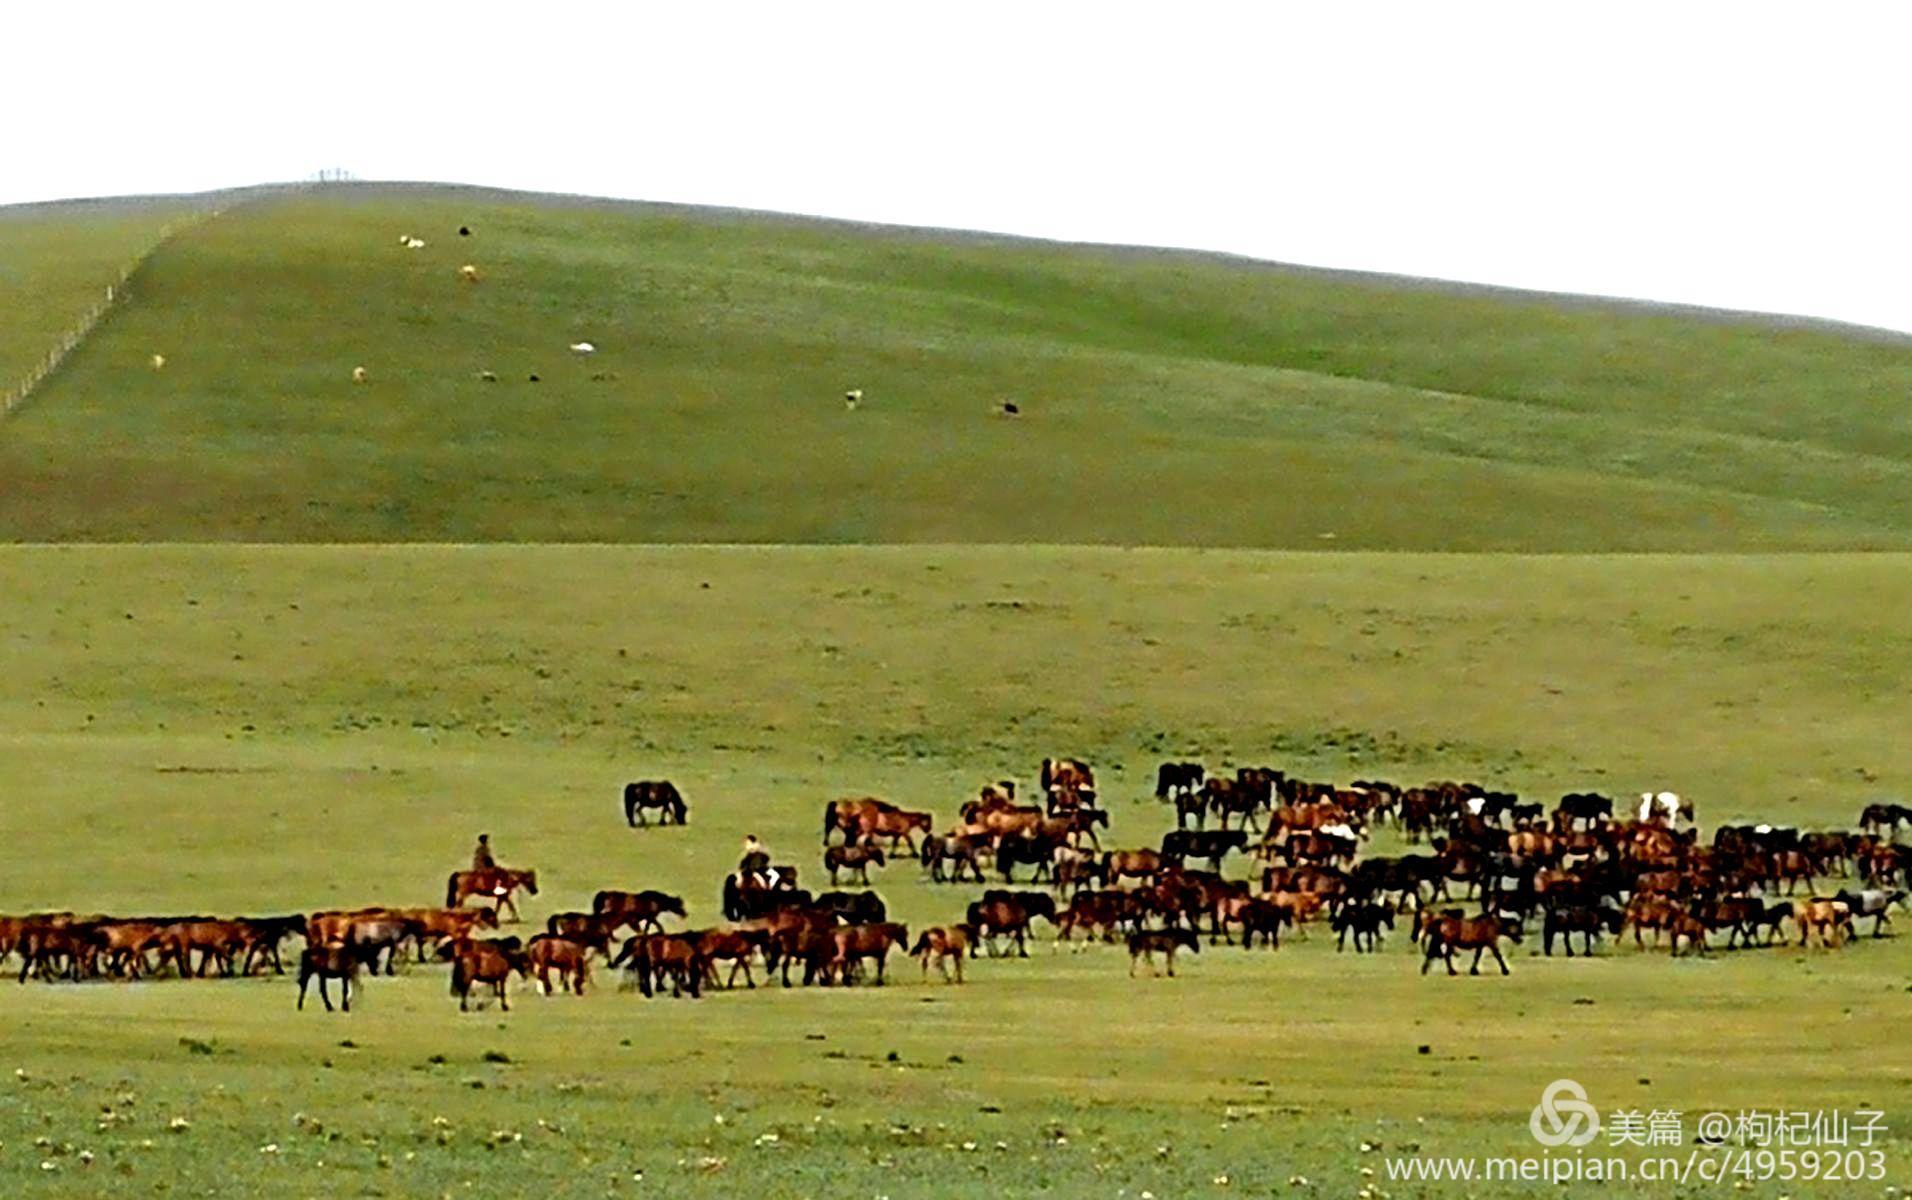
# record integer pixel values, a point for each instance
(481, 859)
(754, 866)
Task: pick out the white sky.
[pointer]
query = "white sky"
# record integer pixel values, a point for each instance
(1735, 154)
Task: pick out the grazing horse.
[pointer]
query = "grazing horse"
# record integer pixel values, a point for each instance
(944, 944)
(736, 944)
(1884, 818)
(571, 960)
(853, 816)
(1363, 920)
(593, 931)
(487, 962)
(852, 944)
(957, 848)
(1590, 807)
(494, 883)
(1136, 864)
(1067, 775)
(854, 908)
(660, 794)
(1145, 944)
(263, 935)
(639, 910)
(1177, 779)
(1683, 925)
(1586, 920)
(1479, 934)
(1015, 850)
(654, 957)
(899, 826)
(855, 858)
(1001, 913)
(329, 961)
(1212, 845)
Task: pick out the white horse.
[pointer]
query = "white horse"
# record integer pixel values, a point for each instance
(1666, 808)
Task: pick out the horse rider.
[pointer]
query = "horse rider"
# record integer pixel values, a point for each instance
(481, 859)
(755, 863)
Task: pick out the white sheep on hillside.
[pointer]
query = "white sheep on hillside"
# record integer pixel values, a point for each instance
(359, 375)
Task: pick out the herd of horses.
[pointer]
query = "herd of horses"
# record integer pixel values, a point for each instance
(1589, 868)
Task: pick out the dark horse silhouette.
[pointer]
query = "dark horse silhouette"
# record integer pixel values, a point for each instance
(654, 793)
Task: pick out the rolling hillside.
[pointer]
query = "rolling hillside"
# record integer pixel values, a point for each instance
(56, 259)
(1167, 399)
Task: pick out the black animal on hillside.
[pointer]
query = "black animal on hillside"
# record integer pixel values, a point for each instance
(660, 794)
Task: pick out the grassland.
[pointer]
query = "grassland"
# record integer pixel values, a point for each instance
(56, 261)
(1168, 399)
(265, 729)
(908, 600)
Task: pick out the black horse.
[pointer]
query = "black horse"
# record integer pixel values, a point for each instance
(654, 793)
(1177, 778)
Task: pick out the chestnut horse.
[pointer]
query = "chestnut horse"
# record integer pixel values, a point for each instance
(494, 883)
(1479, 934)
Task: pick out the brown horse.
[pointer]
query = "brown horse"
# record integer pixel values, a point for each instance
(853, 816)
(1479, 934)
(1832, 918)
(488, 962)
(571, 960)
(855, 858)
(855, 943)
(944, 944)
(639, 910)
(654, 957)
(328, 961)
(496, 884)
(898, 826)
(735, 944)
(1145, 865)
(1002, 912)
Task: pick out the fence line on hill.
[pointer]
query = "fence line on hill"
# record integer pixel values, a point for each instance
(116, 293)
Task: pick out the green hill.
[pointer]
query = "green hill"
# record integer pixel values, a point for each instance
(57, 259)
(1167, 398)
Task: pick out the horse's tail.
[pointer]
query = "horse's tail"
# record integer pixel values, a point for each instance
(829, 819)
(733, 911)
(451, 891)
(630, 803)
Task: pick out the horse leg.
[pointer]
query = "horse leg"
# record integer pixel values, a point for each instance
(1021, 947)
(324, 996)
(1498, 959)
(1474, 968)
